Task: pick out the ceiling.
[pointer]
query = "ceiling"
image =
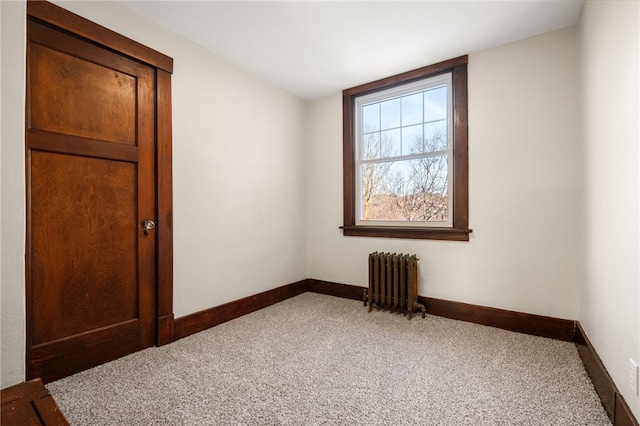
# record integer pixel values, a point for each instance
(316, 48)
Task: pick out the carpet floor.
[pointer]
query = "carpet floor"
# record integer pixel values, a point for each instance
(316, 359)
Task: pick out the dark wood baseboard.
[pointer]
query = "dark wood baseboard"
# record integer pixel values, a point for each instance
(537, 325)
(613, 402)
(345, 291)
(199, 321)
(623, 415)
(600, 378)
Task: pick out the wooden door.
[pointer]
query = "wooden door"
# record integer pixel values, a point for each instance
(91, 183)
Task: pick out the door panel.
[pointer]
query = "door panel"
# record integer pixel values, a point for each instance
(90, 138)
(81, 228)
(99, 102)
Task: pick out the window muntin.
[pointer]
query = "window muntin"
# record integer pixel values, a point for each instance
(404, 154)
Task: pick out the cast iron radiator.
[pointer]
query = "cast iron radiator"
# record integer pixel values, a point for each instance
(393, 282)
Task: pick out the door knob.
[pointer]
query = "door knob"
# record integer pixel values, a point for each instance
(148, 226)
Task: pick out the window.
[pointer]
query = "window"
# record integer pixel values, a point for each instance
(405, 155)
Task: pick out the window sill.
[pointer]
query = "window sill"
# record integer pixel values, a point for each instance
(451, 234)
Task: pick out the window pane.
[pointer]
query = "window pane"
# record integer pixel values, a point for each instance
(370, 118)
(412, 139)
(412, 109)
(411, 190)
(373, 177)
(371, 146)
(390, 114)
(435, 136)
(390, 143)
(435, 104)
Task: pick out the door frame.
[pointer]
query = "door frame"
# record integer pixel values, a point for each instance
(58, 17)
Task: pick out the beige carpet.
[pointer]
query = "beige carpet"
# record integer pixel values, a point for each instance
(318, 359)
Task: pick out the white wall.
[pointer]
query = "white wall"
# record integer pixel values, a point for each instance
(524, 186)
(610, 310)
(12, 36)
(239, 196)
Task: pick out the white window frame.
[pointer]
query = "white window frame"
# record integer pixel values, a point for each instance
(442, 80)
